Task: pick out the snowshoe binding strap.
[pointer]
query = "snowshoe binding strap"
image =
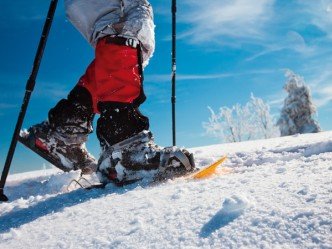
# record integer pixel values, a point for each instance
(170, 153)
(181, 156)
(143, 136)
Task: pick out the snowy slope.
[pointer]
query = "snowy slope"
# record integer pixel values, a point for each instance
(279, 196)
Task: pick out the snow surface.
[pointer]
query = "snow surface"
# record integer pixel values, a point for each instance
(278, 196)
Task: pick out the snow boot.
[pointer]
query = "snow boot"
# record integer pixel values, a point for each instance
(129, 152)
(61, 139)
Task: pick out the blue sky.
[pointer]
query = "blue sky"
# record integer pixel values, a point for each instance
(226, 50)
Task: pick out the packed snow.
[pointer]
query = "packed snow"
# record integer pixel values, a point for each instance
(278, 195)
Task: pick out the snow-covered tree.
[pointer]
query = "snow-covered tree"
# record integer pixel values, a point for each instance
(297, 113)
(264, 123)
(241, 123)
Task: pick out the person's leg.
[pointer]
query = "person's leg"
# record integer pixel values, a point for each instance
(128, 146)
(73, 115)
(69, 123)
(119, 86)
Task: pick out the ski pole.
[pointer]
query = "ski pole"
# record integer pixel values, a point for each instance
(28, 91)
(173, 69)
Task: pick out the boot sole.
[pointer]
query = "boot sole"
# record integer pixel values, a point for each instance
(30, 142)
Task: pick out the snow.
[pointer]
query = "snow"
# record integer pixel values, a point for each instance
(241, 123)
(298, 110)
(278, 196)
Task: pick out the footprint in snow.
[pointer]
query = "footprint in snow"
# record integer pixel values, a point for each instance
(232, 208)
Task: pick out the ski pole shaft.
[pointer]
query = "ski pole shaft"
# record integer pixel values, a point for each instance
(28, 91)
(174, 70)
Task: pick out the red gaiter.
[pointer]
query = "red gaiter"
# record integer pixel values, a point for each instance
(113, 75)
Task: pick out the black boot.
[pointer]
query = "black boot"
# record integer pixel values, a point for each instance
(63, 136)
(73, 115)
(129, 152)
(119, 121)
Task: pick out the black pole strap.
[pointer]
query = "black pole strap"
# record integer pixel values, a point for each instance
(173, 70)
(28, 90)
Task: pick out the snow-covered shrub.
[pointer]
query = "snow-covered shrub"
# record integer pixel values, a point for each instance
(241, 123)
(298, 110)
(264, 123)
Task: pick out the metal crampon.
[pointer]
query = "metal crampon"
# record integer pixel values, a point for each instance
(79, 183)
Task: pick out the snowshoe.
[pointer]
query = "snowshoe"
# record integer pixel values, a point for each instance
(139, 158)
(66, 152)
